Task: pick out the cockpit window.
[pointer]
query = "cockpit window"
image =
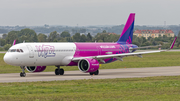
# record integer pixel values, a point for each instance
(21, 50)
(15, 50)
(18, 50)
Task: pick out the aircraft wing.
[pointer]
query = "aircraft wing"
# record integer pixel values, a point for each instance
(120, 56)
(146, 47)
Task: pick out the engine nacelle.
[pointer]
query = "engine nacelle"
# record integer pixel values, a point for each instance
(88, 65)
(35, 68)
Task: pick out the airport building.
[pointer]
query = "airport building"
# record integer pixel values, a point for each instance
(153, 33)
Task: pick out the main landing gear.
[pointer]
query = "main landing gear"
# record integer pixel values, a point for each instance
(94, 73)
(23, 74)
(59, 71)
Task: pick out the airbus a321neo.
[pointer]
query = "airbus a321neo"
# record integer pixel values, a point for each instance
(87, 56)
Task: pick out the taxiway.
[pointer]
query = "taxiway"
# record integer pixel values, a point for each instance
(103, 74)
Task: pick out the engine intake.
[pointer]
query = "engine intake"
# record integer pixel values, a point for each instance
(88, 65)
(35, 68)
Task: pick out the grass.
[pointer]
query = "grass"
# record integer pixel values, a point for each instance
(148, 60)
(136, 89)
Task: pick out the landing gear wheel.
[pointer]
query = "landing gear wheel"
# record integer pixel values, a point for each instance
(61, 72)
(56, 71)
(91, 73)
(22, 74)
(94, 73)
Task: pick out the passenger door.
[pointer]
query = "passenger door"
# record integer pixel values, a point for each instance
(31, 53)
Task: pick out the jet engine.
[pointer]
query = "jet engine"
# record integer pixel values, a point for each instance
(88, 65)
(35, 68)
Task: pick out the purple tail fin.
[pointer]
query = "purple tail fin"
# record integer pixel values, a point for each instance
(127, 33)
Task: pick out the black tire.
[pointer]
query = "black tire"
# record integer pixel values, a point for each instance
(61, 72)
(22, 74)
(91, 73)
(96, 72)
(56, 72)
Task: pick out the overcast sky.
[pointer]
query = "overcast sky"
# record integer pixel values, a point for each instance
(88, 12)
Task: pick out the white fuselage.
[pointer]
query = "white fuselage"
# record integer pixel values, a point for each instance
(40, 54)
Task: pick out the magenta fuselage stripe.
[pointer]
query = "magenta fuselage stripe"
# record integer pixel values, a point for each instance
(128, 23)
(95, 49)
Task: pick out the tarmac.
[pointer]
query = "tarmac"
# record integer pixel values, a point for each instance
(103, 74)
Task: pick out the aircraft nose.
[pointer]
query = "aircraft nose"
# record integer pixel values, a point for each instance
(7, 58)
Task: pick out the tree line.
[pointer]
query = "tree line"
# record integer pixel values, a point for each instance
(29, 35)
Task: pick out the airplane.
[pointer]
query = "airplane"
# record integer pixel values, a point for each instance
(34, 57)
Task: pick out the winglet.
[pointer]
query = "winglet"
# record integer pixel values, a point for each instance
(14, 42)
(172, 45)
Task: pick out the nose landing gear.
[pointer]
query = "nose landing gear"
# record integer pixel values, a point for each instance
(23, 74)
(59, 71)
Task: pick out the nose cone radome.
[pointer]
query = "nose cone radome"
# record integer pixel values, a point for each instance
(7, 58)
